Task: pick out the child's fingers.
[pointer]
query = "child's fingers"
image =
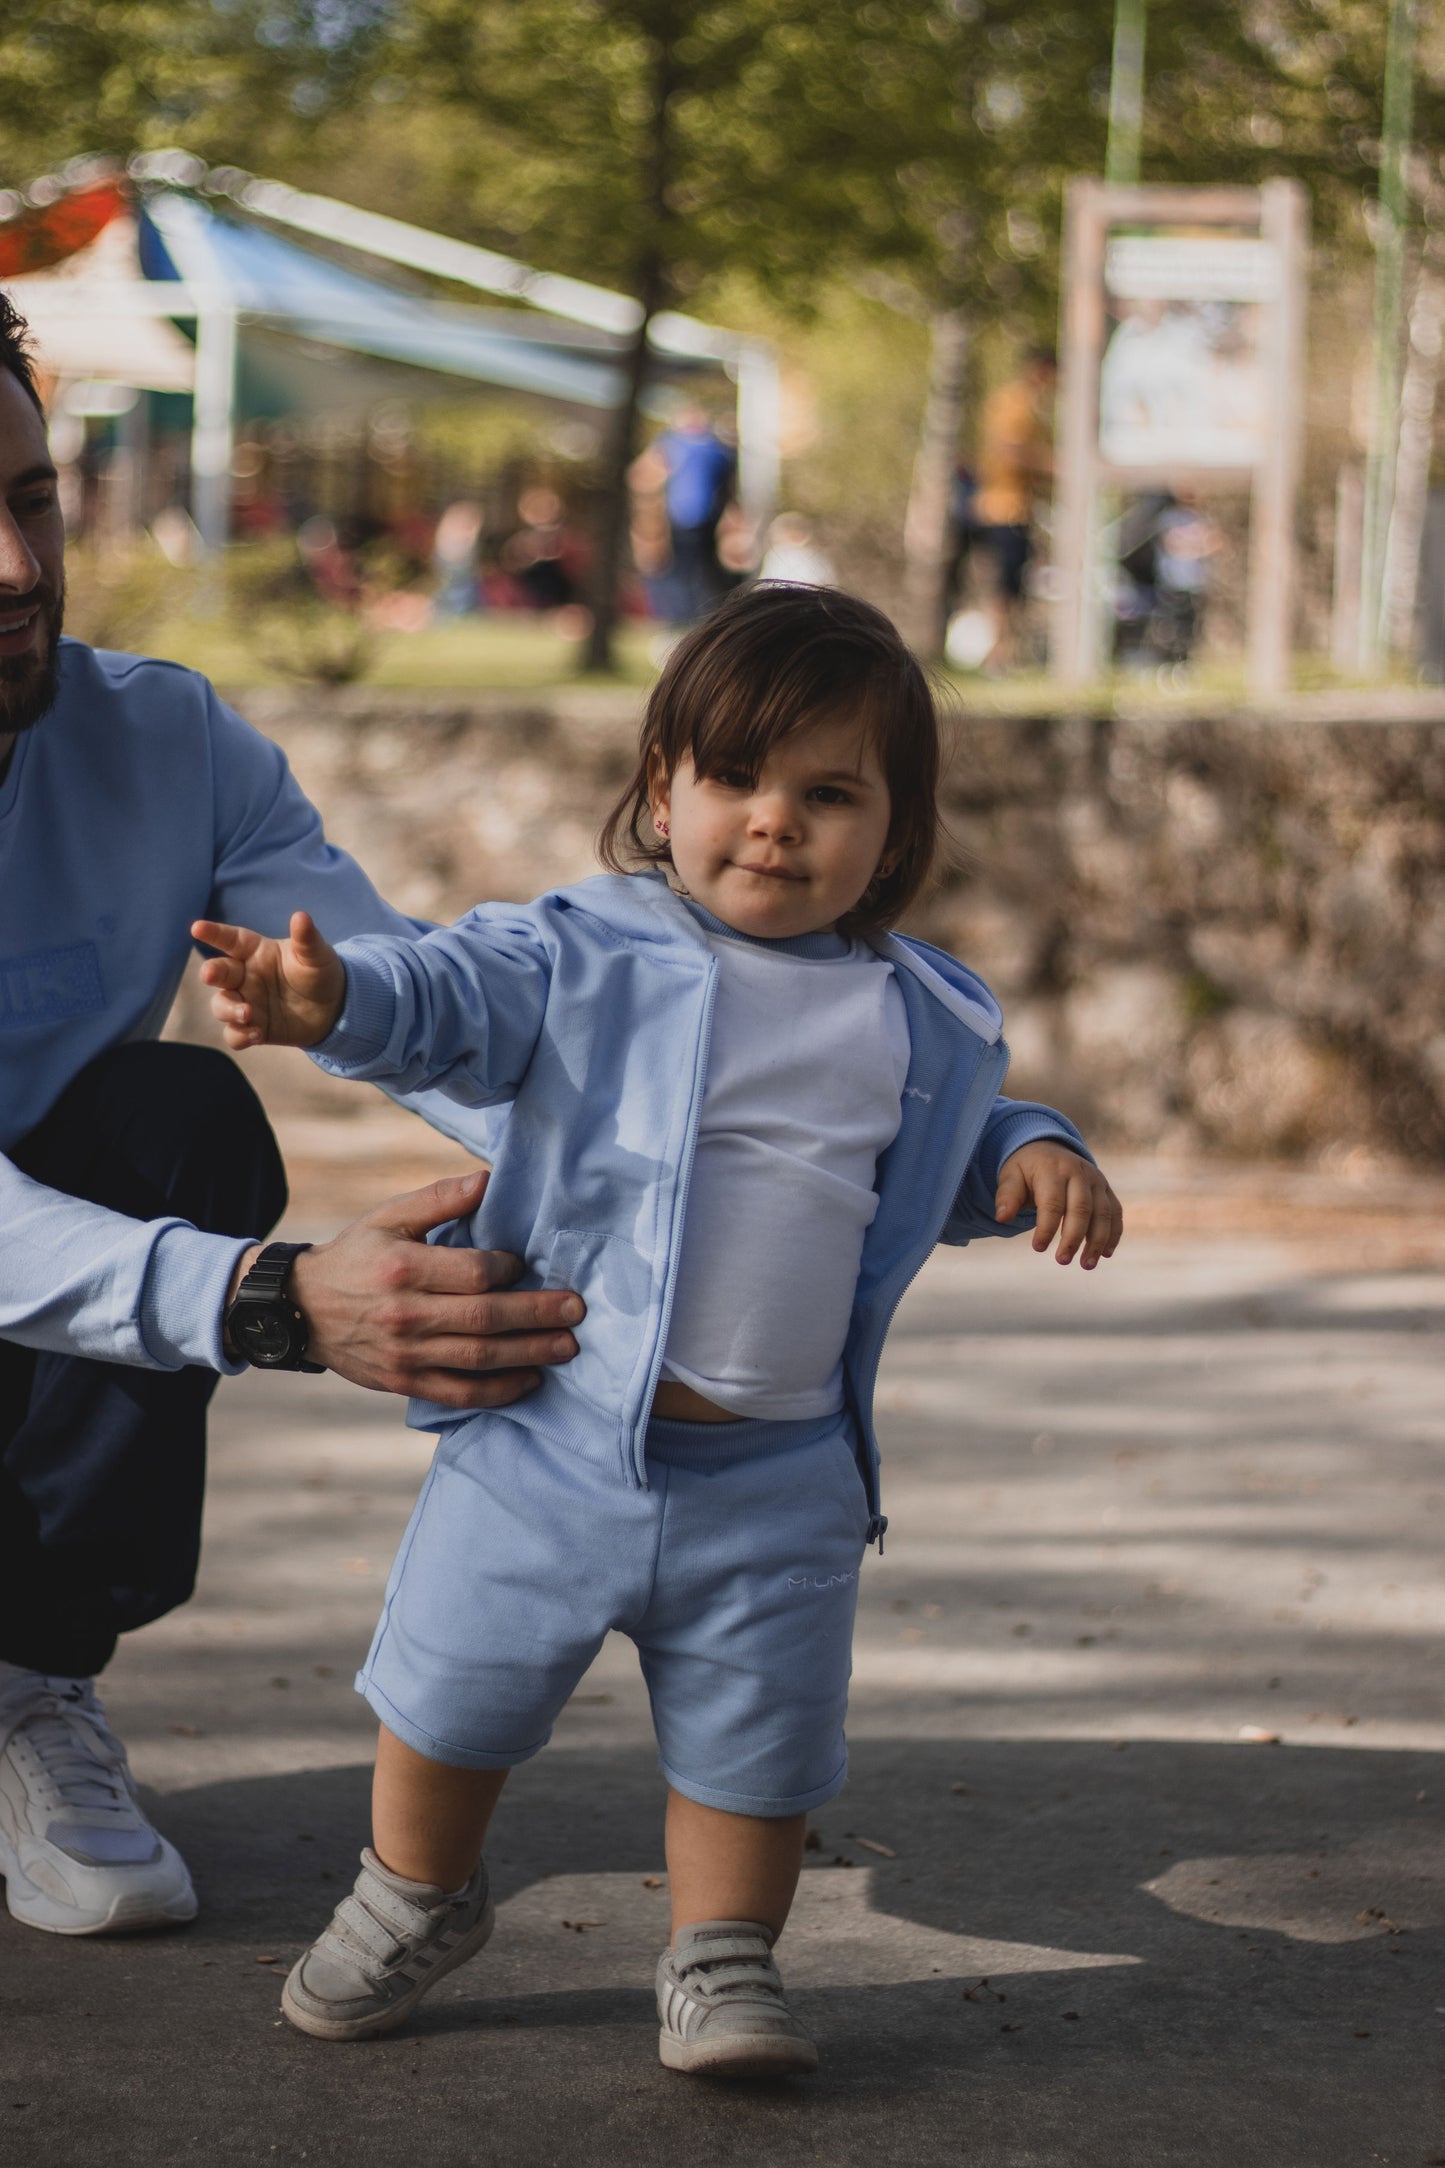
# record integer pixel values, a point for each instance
(1077, 1215)
(233, 940)
(1106, 1225)
(1011, 1195)
(311, 946)
(223, 971)
(1050, 1199)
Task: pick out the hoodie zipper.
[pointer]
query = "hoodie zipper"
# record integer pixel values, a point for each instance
(679, 1220)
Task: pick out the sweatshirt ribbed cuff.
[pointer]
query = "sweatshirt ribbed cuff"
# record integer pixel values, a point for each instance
(359, 1035)
(184, 1297)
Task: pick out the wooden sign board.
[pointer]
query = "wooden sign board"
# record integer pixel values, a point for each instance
(1182, 368)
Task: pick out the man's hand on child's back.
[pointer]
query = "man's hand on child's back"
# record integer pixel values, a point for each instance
(1071, 1197)
(272, 993)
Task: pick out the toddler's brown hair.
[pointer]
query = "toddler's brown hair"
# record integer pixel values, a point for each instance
(772, 660)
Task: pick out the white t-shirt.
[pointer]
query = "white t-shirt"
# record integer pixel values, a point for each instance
(806, 1068)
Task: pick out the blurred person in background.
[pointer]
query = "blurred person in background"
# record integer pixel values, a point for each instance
(455, 548)
(137, 1180)
(536, 556)
(1015, 463)
(793, 554)
(695, 470)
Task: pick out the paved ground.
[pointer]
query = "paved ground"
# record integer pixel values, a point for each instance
(1067, 1912)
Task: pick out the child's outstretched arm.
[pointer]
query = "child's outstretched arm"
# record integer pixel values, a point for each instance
(272, 993)
(1069, 1194)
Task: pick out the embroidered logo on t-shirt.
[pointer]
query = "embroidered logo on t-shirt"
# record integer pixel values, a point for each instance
(50, 984)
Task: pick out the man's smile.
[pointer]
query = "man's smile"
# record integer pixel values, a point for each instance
(18, 627)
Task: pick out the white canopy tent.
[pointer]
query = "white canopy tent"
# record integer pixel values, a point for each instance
(214, 248)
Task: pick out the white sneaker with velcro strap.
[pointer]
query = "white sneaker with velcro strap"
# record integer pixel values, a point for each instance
(76, 1851)
(721, 2007)
(388, 1942)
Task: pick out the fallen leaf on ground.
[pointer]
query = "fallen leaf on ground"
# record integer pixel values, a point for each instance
(652, 1881)
(1256, 1735)
(185, 1731)
(884, 1851)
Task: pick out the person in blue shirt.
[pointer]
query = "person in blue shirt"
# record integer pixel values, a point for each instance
(736, 1113)
(135, 1177)
(699, 470)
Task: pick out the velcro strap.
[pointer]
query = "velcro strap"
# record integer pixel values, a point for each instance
(371, 1933)
(715, 1949)
(403, 1915)
(733, 1981)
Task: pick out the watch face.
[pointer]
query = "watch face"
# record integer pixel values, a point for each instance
(264, 1338)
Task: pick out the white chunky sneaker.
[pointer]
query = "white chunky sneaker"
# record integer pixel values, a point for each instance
(720, 2002)
(388, 1942)
(77, 1853)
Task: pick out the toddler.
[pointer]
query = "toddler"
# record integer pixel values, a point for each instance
(738, 1114)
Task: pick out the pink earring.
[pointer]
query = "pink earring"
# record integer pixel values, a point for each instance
(660, 826)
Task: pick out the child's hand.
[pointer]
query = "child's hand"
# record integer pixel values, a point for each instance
(1071, 1196)
(272, 993)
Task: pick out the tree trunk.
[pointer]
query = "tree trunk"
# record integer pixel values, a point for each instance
(615, 517)
(651, 285)
(1412, 458)
(927, 529)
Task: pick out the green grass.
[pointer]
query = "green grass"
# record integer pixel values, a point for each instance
(524, 654)
(475, 655)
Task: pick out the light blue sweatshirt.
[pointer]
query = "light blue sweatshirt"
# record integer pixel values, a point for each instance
(137, 804)
(585, 1017)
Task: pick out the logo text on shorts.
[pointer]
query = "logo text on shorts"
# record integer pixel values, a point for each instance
(823, 1580)
(50, 984)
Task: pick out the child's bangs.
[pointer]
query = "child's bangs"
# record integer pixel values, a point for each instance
(739, 744)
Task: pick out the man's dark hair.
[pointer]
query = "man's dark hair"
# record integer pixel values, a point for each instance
(773, 659)
(15, 354)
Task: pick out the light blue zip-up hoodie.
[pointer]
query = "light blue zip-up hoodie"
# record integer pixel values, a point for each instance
(583, 1019)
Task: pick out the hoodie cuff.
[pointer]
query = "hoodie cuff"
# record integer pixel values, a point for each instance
(368, 1008)
(184, 1297)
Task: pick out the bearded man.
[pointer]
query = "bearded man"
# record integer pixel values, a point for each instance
(136, 1182)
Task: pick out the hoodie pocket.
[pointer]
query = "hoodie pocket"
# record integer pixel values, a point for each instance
(614, 1280)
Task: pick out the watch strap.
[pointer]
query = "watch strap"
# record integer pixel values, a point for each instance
(268, 1276)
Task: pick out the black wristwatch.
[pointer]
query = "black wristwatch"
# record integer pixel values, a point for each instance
(263, 1324)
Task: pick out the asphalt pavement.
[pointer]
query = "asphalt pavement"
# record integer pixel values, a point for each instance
(1140, 1864)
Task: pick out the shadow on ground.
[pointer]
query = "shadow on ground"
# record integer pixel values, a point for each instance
(1192, 1954)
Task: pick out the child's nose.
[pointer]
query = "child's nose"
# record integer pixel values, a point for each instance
(775, 815)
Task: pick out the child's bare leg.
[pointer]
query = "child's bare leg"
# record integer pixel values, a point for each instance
(428, 1819)
(731, 1866)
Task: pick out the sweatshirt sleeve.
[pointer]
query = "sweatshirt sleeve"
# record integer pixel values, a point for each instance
(1011, 1124)
(459, 1011)
(77, 1279)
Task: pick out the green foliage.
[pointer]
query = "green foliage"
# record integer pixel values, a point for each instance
(115, 598)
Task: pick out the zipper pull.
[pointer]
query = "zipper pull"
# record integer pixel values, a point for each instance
(877, 1527)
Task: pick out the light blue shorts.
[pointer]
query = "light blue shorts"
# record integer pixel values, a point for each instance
(735, 1573)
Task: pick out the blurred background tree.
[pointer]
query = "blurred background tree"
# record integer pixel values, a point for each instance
(760, 160)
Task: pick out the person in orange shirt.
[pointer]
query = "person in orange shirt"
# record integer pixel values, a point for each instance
(1016, 458)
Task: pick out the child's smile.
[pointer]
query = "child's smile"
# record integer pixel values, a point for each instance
(790, 850)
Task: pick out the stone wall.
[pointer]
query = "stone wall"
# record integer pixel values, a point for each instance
(1222, 934)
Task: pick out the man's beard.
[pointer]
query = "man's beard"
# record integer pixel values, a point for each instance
(29, 683)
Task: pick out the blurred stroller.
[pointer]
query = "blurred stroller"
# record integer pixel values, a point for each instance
(1165, 543)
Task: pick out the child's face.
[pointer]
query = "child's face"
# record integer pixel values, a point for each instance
(790, 851)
